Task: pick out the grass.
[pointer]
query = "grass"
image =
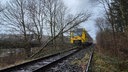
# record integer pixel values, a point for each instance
(103, 63)
(52, 50)
(19, 58)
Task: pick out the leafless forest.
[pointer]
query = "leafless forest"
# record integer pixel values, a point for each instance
(34, 28)
(112, 38)
(35, 23)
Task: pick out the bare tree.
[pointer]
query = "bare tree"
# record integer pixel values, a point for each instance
(2, 8)
(115, 38)
(102, 24)
(50, 12)
(109, 16)
(55, 16)
(15, 18)
(29, 17)
(108, 10)
(36, 18)
(70, 23)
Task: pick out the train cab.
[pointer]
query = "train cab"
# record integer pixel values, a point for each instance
(78, 36)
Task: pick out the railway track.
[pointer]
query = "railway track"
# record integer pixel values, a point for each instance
(40, 64)
(45, 63)
(67, 66)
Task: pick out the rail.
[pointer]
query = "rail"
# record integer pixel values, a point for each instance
(29, 64)
(41, 64)
(90, 60)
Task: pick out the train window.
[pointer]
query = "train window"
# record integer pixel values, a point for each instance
(77, 33)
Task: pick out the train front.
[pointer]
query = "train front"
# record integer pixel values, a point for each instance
(78, 37)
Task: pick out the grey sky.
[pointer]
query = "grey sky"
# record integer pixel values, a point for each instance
(3, 1)
(91, 6)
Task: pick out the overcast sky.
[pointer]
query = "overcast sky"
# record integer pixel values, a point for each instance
(91, 6)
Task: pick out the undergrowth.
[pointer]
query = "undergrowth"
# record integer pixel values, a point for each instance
(104, 63)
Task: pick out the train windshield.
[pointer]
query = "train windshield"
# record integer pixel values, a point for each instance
(78, 32)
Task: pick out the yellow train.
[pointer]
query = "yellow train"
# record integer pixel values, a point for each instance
(80, 37)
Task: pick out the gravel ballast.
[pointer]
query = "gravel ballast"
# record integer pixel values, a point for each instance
(75, 63)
